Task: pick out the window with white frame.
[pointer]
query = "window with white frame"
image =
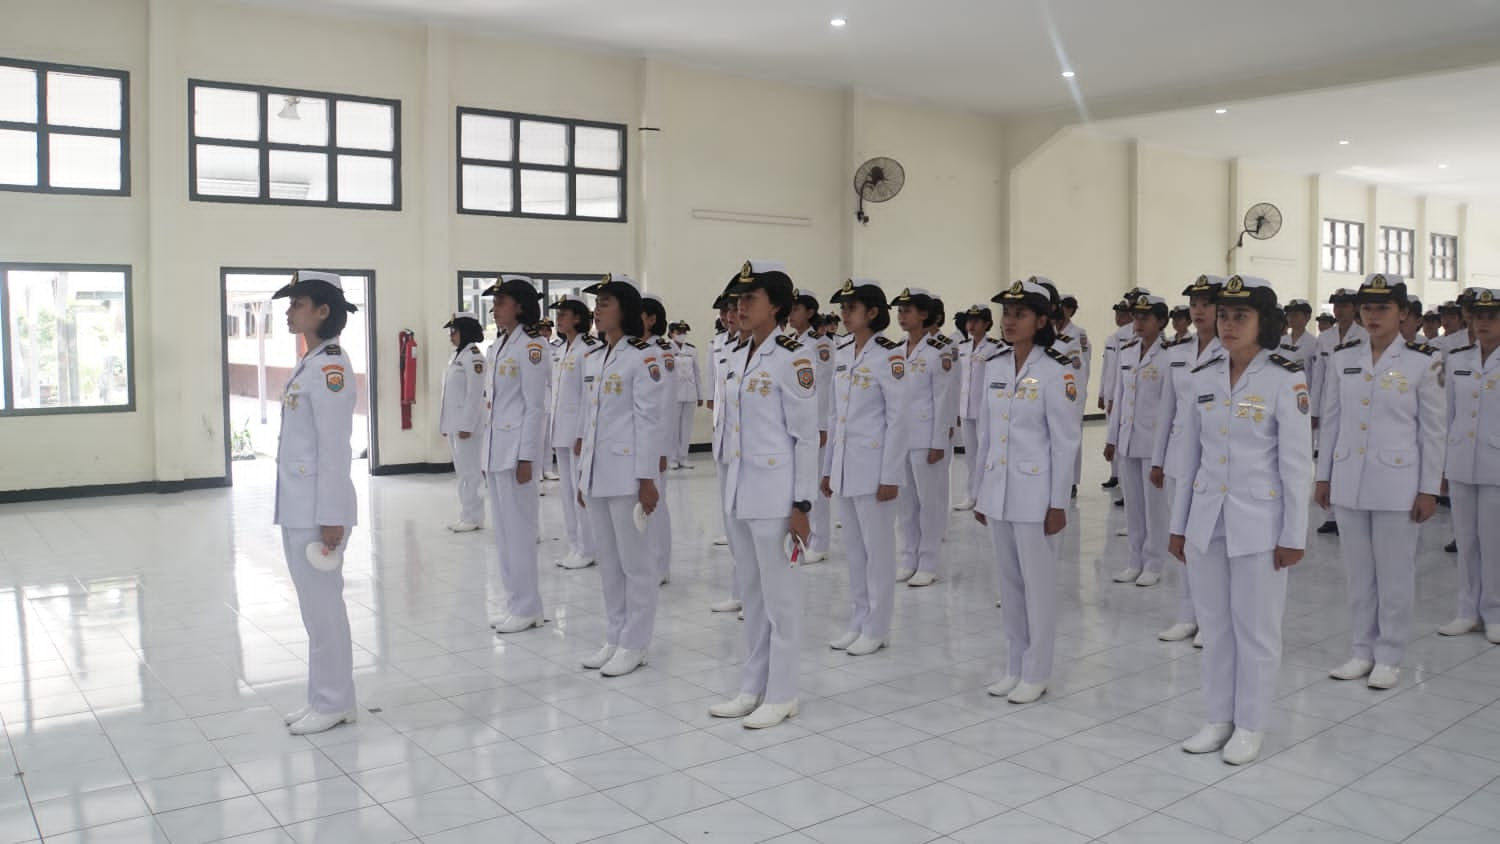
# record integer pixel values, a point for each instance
(1397, 251)
(1444, 261)
(251, 143)
(1343, 247)
(65, 341)
(64, 129)
(521, 165)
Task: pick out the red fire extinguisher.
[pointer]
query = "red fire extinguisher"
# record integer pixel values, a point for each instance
(408, 351)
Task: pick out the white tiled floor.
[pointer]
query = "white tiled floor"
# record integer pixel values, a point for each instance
(148, 645)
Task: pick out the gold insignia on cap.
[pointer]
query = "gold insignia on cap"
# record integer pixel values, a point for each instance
(847, 288)
(1378, 282)
(747, 273)
(1484, 297)
(905, 293)
(1234, 285)
(608, 277)
(1018, 288)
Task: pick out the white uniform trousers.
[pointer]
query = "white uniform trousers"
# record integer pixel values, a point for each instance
(1146, 514)
(1380, 551)
(820, 520)
(659, 532)
(969, 432)
(922, 511)
(1027, 563)
(320, 597)
(631, 578)
(470, 478)
(772, 593)
(684, 430)
(1240, 601)
(514, 510)
(1477, 531)
(736, 553)
(580, 532)
(870, 545)
(1186, 612)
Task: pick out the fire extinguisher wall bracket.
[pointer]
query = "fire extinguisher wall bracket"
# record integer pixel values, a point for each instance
(408, 366)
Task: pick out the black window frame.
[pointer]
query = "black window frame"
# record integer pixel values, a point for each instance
(1406, 259)
(43, 129)
(1447, 261)
(1329, 246)
(544, 286)
(264, 146)
(517, 167)
(9, 409)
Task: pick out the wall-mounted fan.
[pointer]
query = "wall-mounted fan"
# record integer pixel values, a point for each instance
(1262, 222)
(877, 180)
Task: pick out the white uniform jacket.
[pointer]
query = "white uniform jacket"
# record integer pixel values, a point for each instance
(1326, 341)
(771, 428)
(1171, 448)
(689, 386)
(822, 371)
(1382, 425)
(623, 438)
(930, 379)
(1473, 417)
(313, 487)
(1072, 335)
(463, 393)
(1110, 372)
(971, 358)
(1304, 349)
(1028, 436)
(867, 428)
(1448, 342)
(515, 395)
(1251, 449)
(1138, 390)
(567, 391)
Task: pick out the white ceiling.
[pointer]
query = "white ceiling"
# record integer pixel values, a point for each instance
(1399, 132)
(991, 55)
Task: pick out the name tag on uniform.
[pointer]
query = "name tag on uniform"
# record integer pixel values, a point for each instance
(841, 367)
(588, 379)
(1353, 370)
(1179, 363)
(997, 385)
(1206, 398)
(1463, 372)
(1126, 367)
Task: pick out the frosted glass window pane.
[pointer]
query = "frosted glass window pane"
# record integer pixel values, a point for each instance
(1356, 233)
(595, 148)
(77, 100)
(83, 161)
(543, 192)
(487, 188)
(482, 136)
(297, 120)
(299, 176)
(17, 94)
(17, 157)
(597, 196)
(366, 126)
(222, 113)
(228, 171)
(366, 180)
(543, 143)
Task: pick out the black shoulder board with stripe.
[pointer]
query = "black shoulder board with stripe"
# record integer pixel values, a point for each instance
(1287, 363)
(847, 343)
(1461, 349)
(1210, 362)
(332, 349)
(885, 342)
(787, 343)
(1289, 347)
(639, 343)
(588, 339)
(1059, 357)
(742, 344)
(532, 331)
(1422, 348)
(1005, 351)
(1347, 344)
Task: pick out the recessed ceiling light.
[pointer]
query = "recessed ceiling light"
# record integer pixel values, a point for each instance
(1343, 143)
(836, 22)
(1442, 167)
(1068, 74)
(1221, 111)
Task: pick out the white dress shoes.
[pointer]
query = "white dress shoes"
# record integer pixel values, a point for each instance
(1127, 575)
(814, 556)
(575, 560)
(463, 527)
(1353, 669)
(1384, 676)
(721, 541)
(730, 605)
(904, 575)
(297, 714)
(513, 624)
(623, 662)
(321, 722)
(921, 578)
(1148, 578)
(844, 641)
(966, 504)
(1492, 633)
(769, 715)
(1005, 686)
(741, 706)
(1027, 693)
(864, 645)
(1460, 627)
(1210, 739)
(599, 659)
(1179, 631)
(1243, 747)
(1198, 640)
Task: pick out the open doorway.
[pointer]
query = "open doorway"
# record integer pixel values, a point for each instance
(260, 355)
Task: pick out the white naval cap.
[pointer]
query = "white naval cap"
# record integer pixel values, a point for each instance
(654, 297)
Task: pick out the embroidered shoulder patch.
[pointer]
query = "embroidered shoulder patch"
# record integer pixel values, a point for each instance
(804, 373)
(1304, 401)
(333, 377)
(534, 352)
(898, 367)
(478, 367)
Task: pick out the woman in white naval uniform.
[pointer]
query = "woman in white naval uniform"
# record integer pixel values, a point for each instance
(921, 508)
(1297, 343)
(865, 463)
(1073, 342)
(620, 446)
(771, 410)
(1242, 521)
(1109, 373)
(1344, 330)
(659, 526)
(806, 328)
(1380, 465)
(462, 416)
(1139, 385)
(1169, 462)
(689, 391)
(973, 351)
(315, 503)
(574, 321)
(1029, 434)
(514, 444)
(1473, 463)
(724, 345)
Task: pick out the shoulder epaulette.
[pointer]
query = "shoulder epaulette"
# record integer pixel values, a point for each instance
(597, 348)
(1005, 351)
(787, 343)
(885, 342)
(1289, 347)
(1059, 356)
(943, 340)
(1422, 348)
(1347, 344)
(742, 344)
(1287, 363)
(663, 343)
(935, 343)
(474, 347)
(639, 343)
(332, 349)
(689, 345)
(588, 339)
(1461, 349)
(847, 343)
(1064, 338)
(1210, 362)
(532, 331)
(1130, 344)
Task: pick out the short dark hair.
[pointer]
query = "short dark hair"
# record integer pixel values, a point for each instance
(338, 315)
(657, 310)
(469, 331)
